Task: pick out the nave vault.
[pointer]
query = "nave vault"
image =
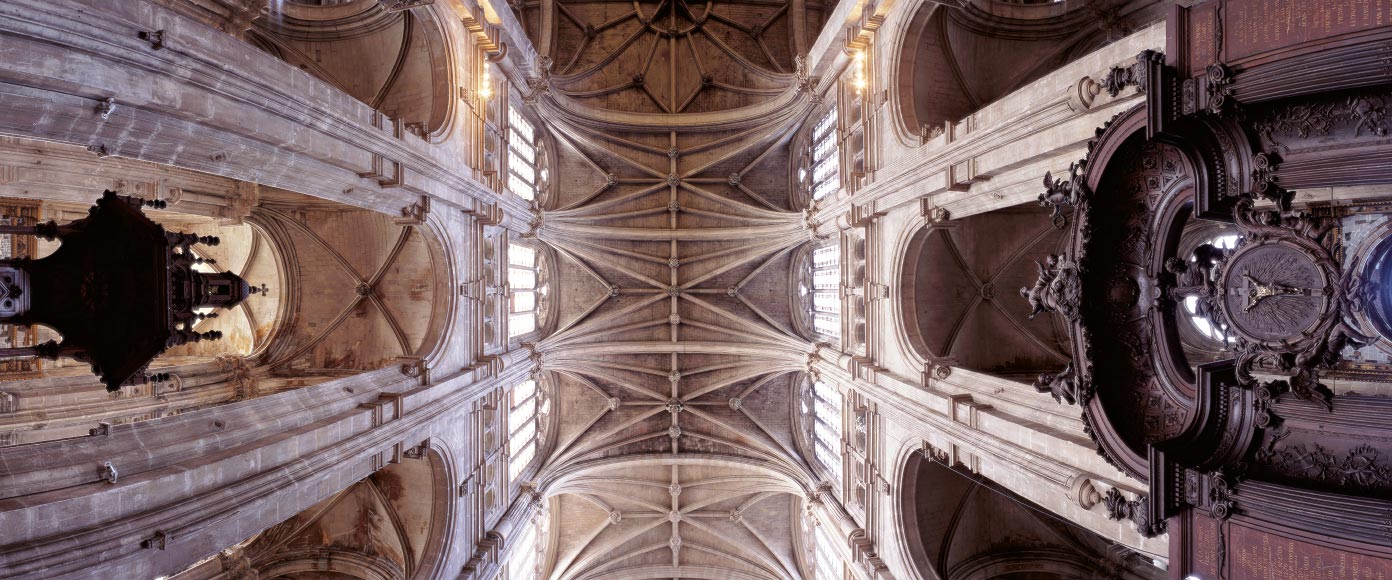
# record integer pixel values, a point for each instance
(690, 289)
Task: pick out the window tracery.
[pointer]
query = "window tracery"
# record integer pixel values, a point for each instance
(820, 290)
(527, 289)
(822, 177)
(524, 560)
(821, 409)
(525, 404)
(1377, 275)
(526, 157)
(826, 560)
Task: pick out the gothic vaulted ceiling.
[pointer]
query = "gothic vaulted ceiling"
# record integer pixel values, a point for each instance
(675, 361)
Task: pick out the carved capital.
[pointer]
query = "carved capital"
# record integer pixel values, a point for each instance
(1219, 77)
(1137, 74)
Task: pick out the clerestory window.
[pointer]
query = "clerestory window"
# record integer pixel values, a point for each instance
(525, 290)
(826, 157)
(522, 562)
(523, 170)
(826, 428)
(828, 565)
(826, 287)
(522, 427)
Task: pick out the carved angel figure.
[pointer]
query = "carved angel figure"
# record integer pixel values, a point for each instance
(1063, 385)
(1063, 192)
(1196, 277)
(1058, 289)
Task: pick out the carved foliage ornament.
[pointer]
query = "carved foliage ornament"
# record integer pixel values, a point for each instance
(1120, 508)
(1361, 467)
(541, 83)
(1118, 78)
(805, 82)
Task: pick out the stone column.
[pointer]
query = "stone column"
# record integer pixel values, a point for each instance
(77, 405)
(68, 174)
(153, 497)
(234, 111)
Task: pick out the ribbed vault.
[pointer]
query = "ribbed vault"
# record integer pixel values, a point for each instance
(662, 518)
(676, 341)
(674, 353)
(672, 56)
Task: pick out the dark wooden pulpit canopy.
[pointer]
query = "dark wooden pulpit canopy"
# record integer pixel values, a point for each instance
(120, 290)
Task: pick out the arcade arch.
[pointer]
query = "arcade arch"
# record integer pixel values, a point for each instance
(952, 61)
(397, 62)
(961, 526)
(959, 282)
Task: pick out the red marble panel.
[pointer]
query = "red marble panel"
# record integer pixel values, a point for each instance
(1258, 555)
(1203, 546)
(1251, 27)
(1203, 37)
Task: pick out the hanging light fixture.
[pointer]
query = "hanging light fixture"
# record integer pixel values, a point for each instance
(485, 90)
(859, 80)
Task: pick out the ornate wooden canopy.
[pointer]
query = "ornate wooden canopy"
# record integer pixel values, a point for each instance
(1238, 434)
(120, 290)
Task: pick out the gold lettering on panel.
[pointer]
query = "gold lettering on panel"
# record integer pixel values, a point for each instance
(1265, 556)
(1256, 26)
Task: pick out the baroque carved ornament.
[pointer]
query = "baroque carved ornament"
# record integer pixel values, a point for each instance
(1286, 299)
